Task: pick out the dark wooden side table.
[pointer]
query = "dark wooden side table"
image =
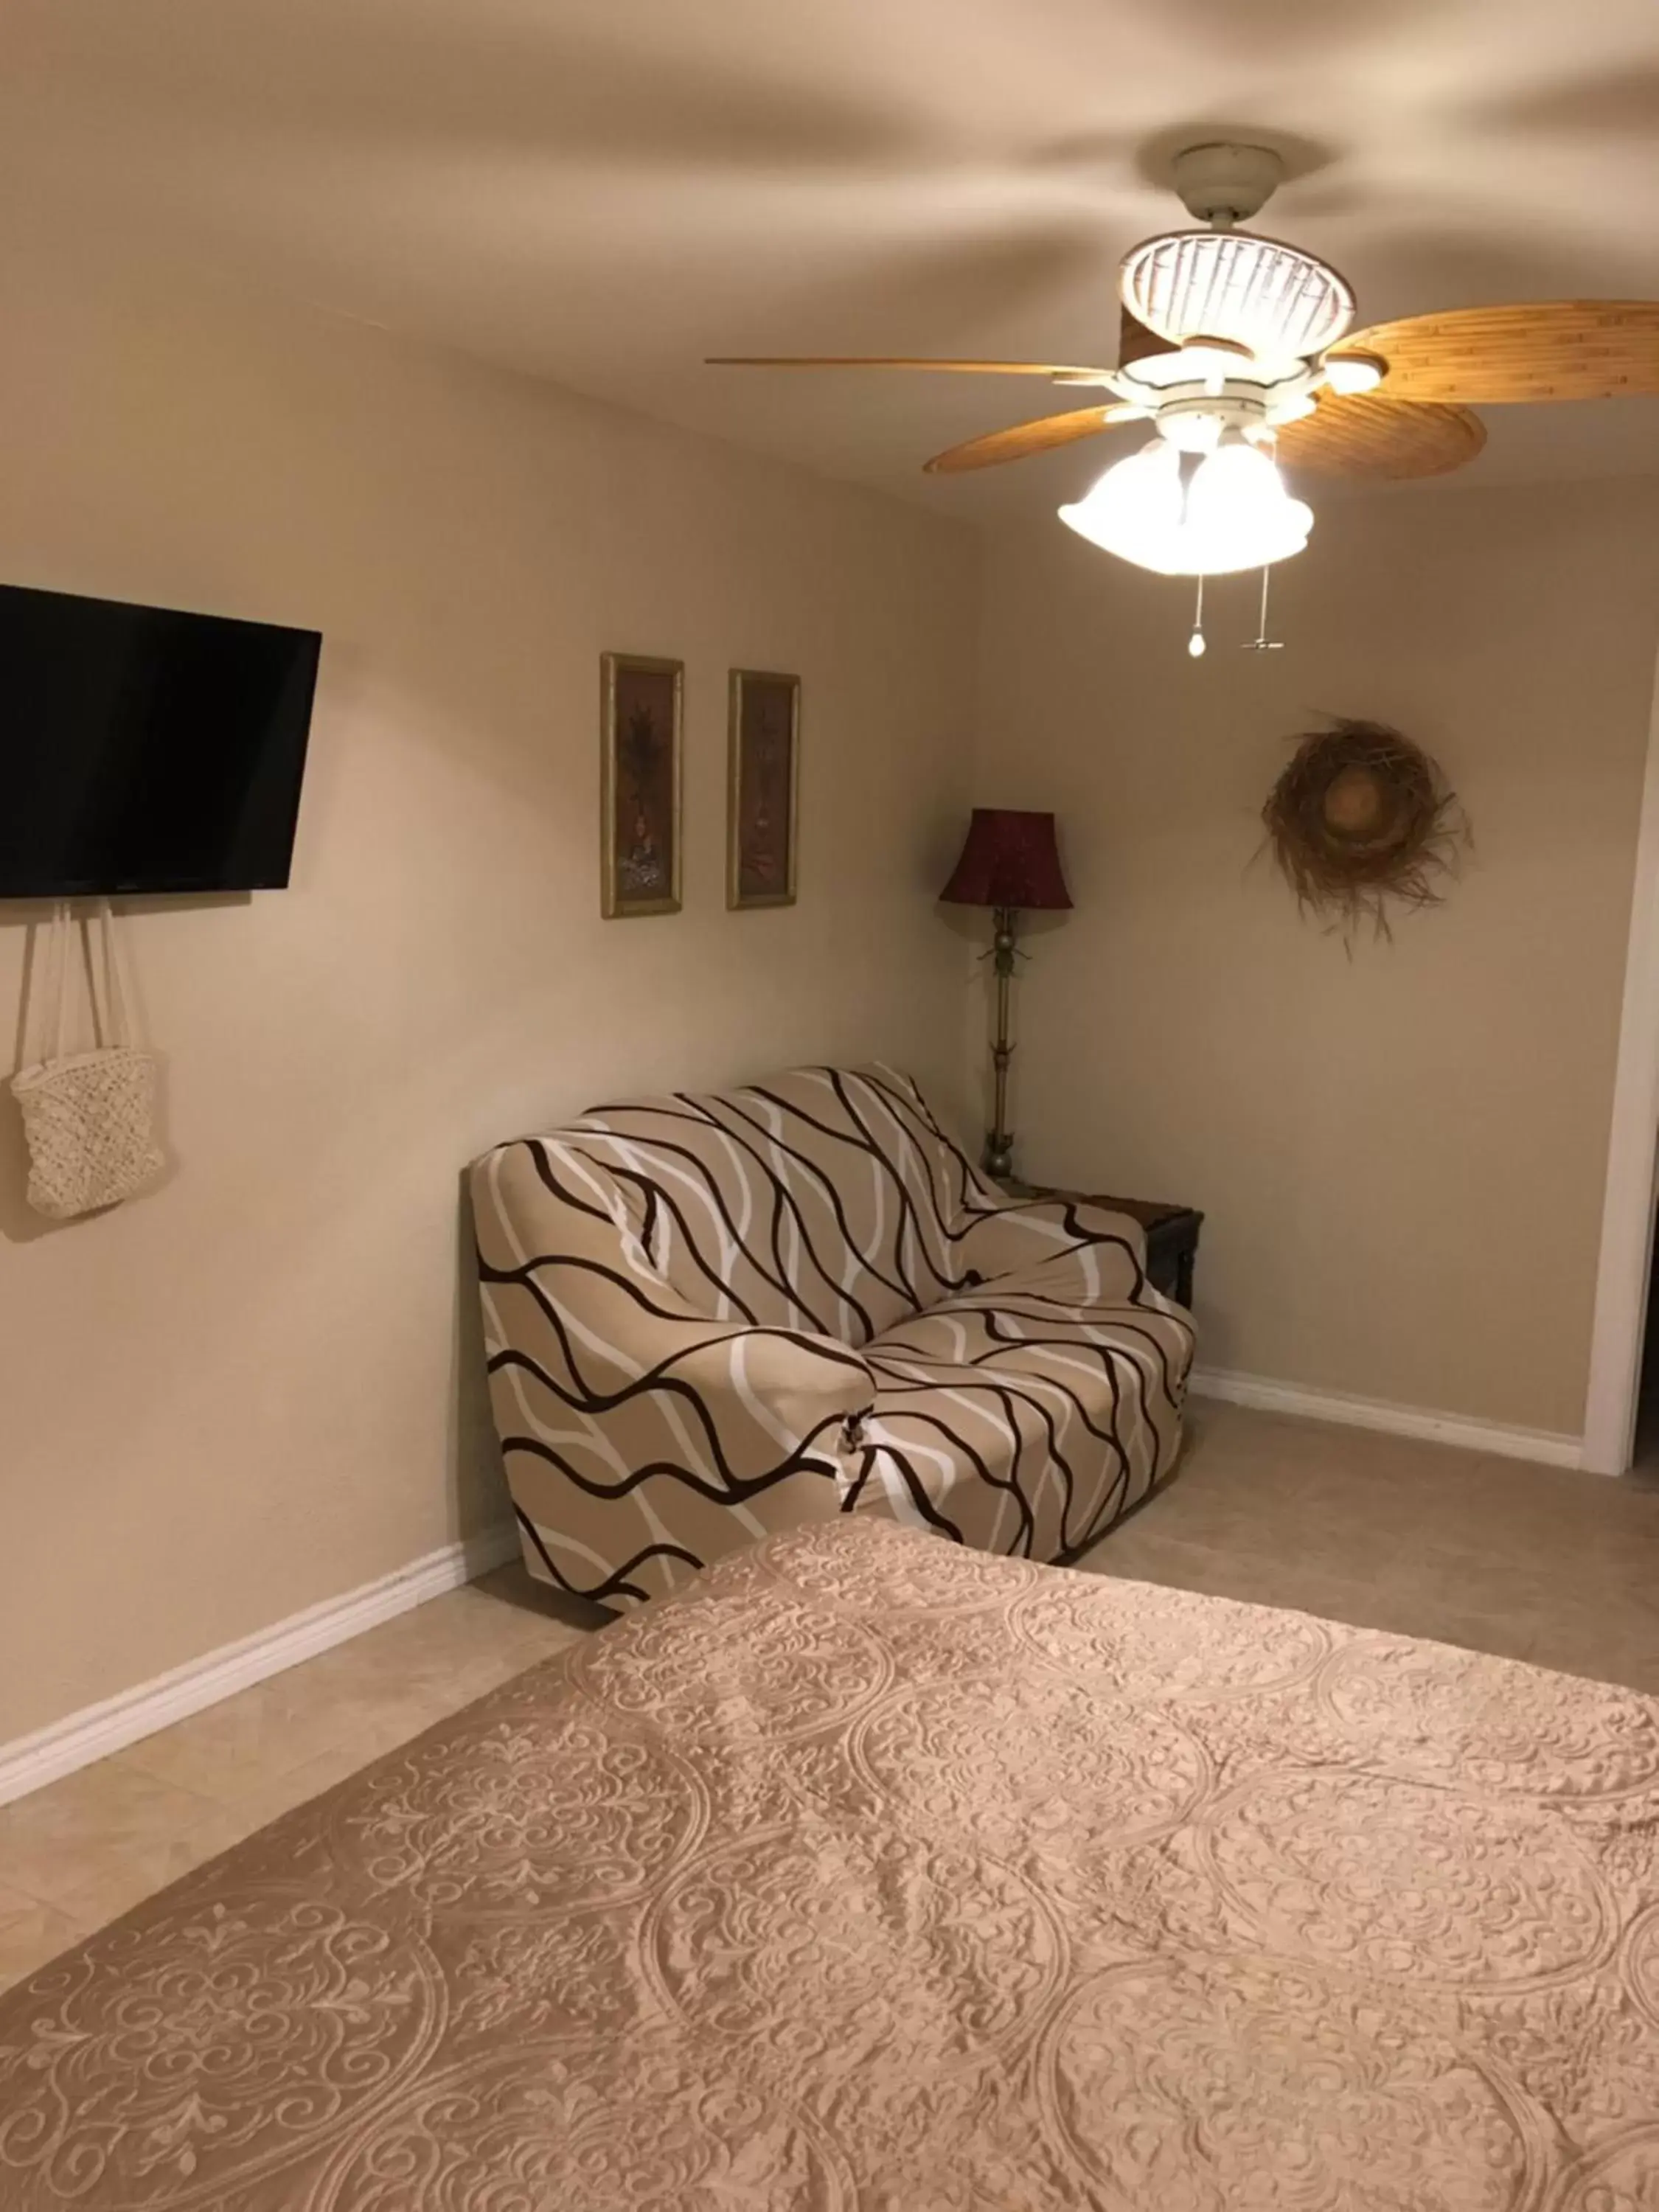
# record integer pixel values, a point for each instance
(1171, 1233)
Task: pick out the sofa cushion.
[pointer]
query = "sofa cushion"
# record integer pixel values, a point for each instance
(1024, 1414)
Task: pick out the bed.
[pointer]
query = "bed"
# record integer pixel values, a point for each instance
(871, 1871)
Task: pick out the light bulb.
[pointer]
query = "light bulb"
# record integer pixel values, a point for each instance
(1350, 374)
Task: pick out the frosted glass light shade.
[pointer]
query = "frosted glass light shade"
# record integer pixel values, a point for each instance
(1239, 514)
(1235, 515)
(1138, 501)
(1349, 375)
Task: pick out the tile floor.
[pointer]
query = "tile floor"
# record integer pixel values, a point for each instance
(1559, 1568)
(1535, 1563)
(74, 1855)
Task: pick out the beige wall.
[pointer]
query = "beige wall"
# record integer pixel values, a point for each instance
(240, 1395)
(236, 1396)
(1401, 1153)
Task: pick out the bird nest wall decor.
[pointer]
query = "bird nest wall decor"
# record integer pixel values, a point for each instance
(1362, 819)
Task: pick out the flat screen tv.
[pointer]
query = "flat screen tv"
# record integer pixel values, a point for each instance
(146, 751)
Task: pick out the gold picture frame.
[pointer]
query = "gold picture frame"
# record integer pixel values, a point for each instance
(640, 836)
(762, 782)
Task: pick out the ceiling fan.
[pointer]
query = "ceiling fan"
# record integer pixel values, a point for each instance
(1237, 350)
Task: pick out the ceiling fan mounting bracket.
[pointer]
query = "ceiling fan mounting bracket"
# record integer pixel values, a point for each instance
(1222, 183)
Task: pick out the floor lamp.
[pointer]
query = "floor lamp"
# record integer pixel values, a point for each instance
(1009, 862)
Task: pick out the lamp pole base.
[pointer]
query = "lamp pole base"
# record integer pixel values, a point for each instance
(1000, 1141)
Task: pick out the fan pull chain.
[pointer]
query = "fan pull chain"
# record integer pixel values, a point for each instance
(1261, 642)
(1195, 642)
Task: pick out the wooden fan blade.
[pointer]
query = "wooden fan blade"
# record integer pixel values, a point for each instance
(858, 360)
(1373, 437)
(1552, 349)
(1038, 437)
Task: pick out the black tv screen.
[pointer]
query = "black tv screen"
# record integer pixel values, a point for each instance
(147, 750)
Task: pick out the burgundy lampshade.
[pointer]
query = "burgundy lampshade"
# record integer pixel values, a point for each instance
(1009, 858)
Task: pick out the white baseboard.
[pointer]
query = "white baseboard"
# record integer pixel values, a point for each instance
(1548, 1445)
(31, 1761)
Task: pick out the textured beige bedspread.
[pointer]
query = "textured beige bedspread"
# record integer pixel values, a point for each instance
(876, 1872)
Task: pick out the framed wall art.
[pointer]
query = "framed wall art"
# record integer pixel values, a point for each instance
(640, 785)
(764, 778)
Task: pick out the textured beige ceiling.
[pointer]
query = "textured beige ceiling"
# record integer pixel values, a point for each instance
(601, 192)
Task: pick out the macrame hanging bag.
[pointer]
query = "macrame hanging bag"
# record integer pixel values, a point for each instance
(88, 1117)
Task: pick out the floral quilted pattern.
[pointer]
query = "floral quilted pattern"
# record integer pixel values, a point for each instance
(836, 1885)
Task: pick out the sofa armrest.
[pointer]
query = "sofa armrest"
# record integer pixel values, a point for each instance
(599, 1368)
(613, 1337)
(641, 1434)
(798, 1391)
(1014, 1239)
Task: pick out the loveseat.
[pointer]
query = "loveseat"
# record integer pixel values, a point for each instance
(708, 1318)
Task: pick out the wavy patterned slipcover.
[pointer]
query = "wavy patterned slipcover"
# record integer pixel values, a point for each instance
(709, 1318)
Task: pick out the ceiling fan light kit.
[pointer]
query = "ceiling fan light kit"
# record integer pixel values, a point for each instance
(1231, 512)
(1235, 349)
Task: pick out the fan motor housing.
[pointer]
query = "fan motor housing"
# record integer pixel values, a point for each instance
(1221, 183)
